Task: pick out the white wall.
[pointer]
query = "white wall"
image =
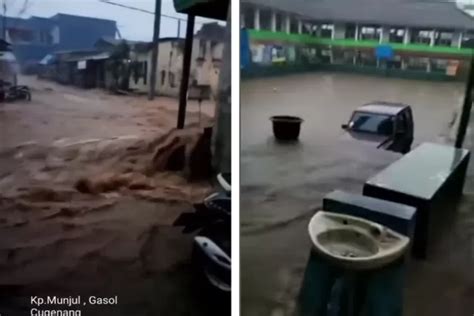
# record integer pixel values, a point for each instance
(204, 70)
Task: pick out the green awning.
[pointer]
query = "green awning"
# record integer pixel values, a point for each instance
(213, 9)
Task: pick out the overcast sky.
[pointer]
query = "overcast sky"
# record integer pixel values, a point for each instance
(132, 25)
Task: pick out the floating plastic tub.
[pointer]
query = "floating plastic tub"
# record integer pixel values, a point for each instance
(286, 127)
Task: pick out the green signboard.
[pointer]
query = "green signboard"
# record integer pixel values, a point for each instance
(213, 9)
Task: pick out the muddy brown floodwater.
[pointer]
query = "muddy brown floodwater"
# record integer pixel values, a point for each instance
(118, 241)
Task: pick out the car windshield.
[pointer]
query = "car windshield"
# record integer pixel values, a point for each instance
(371, 123)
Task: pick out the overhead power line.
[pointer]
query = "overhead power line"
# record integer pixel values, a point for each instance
(143, 10)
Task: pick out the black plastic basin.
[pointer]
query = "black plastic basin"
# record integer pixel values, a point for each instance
(286, 127)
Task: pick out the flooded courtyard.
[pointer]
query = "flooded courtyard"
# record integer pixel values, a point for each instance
(282, 185)
(326, 100)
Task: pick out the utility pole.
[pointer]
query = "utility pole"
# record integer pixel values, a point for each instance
(154, 53)
(466, 108)
(183, 89)
(4, 21)
(179, 28)
(221, 155)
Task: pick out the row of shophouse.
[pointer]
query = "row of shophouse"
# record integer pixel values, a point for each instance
(423, 37)
(99, 67)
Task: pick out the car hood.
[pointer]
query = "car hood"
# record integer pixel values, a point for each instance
(372, 140)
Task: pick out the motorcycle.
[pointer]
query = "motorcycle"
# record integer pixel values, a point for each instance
(211, 219)
(18, 93)
(10, 92)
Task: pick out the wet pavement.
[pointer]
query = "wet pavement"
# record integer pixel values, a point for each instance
(56, 240)
(282, 185)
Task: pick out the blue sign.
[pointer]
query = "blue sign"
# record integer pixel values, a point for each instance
(384, 52)
(245, 54)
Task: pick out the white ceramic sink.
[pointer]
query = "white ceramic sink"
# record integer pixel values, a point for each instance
(355, 243)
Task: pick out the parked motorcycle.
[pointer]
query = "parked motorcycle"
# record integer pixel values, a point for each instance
(211, 219)
(14, 93)
(10, 92)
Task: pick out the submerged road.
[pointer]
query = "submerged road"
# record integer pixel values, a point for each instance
(55, 240)
(282, 185)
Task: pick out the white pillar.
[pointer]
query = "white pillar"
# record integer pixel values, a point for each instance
(242, 19)
(300, 27)
(428, 65)
(357, 32)
(287, 24)
(432, 38)
(404, 64)
(273, 22)
(256, 23)
(385, 35)
(457, 39)
(406, 36)
(318, 30)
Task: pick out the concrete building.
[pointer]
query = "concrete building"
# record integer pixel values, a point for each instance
(424, 37)
(205, 64)
(33, 38)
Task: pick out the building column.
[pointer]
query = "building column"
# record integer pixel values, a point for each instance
(403, 64)
(256, 22)
(406, 36)
(287, 24)
(457, 39)
(318, 30)
(300, 27)
(273, 22)
(385, 35)
(432, 38)
(428, 65)
(357, 32)
(339, 31)
(242, 19)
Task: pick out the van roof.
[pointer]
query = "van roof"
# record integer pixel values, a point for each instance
(382, 107)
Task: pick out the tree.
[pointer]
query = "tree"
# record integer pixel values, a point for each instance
(120, 66)
(5, 9)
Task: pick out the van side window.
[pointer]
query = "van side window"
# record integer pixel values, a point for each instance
(402, 123)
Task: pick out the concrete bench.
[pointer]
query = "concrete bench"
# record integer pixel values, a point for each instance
(428, 178)
(398, 217)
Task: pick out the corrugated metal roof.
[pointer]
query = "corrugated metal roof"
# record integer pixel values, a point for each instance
(420, 14)
(97, 56)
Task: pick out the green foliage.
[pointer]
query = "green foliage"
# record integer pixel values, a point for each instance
(120, 65)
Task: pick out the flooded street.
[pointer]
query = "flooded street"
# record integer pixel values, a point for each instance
(58, 112)
(82, 209)
(282, 185)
